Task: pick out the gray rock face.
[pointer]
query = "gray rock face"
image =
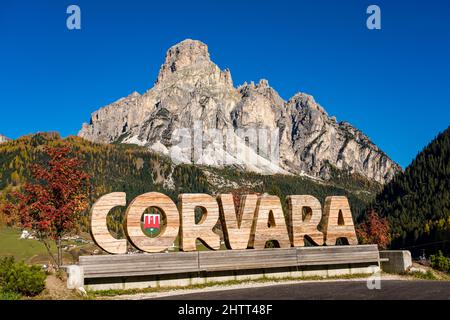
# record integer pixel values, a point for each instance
(192, 91)
(4, 139)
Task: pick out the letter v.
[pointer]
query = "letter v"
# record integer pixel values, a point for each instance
(238, 227)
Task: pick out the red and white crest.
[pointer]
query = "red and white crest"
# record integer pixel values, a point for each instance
(151, 221)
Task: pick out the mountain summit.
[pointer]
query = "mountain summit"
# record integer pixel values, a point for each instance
(192, 91)
(186, 56)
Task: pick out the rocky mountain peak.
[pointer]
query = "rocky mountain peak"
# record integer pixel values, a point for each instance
(263, 83)
(306, 102)
(192, 91)
(188, 53)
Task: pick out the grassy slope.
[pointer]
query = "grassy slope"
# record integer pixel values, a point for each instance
(21, 249)
(32, 251)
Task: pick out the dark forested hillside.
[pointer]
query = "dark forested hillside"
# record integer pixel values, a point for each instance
(417, 202)
(135, 170)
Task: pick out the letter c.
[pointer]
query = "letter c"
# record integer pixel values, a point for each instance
(99, 229)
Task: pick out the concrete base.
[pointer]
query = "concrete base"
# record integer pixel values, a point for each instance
(399, 261)
(243, 275)
(338, 270)
(75, 277)
(184, 280)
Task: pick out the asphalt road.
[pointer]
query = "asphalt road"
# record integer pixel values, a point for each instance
(390, 290)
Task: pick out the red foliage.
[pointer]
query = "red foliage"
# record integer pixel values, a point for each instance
(375, 230)
(52, 205)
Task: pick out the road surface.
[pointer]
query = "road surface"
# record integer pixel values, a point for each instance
(390, 290)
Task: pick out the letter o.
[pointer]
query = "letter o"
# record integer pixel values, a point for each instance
(133, 222)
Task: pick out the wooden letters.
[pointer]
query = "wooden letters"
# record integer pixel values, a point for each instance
(270, 223)
(305, 213)
(133, 221)
(191, 231)
(338, 221)
(238, 226)
(257, 220)
(99, 230)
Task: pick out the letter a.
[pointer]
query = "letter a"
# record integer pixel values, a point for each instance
(74, 20)
(270, 223)
(374, 20)
(338, 221)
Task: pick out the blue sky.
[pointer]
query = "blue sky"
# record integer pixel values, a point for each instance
(391, 83)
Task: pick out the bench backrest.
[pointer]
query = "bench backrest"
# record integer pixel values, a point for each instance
(246, 259)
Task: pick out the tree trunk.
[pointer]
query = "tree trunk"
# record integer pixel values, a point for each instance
(59, 252)
(49, 250)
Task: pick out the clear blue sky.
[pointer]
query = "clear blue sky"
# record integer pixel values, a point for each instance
(392, 83)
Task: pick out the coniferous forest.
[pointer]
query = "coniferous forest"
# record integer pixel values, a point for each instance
(417, 202)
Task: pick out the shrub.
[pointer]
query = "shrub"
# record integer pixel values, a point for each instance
(374, 230)
(440, 262)
(17, 277)
(9, 295)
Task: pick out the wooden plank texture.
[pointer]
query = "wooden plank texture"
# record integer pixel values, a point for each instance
(238, 227)
(125, 265)
(139, 264)
(168, 233)
(337, 255)
(269, 207)
(191, 231)
(333, 227)
(98, 228)
(305, 226)
(246, 259)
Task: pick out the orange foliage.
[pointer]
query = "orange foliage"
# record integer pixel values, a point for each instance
(374, 230)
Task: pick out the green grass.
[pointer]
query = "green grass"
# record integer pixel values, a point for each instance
(31, 251)
(9, 295)
(424, 276)
(20, 249)
(116, 292)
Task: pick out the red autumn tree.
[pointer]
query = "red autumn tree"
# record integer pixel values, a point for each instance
(52, 204)
(375, 229)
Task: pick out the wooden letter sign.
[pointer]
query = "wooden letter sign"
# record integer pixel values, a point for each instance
(191, 231)
(270, 223)
(257, 219)
(99, 230)
(133, 220)
(338, 221)
(305, 213)
(238, 226)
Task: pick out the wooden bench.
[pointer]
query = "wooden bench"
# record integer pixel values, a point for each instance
(130, 265)
(333, 255)
(224, 260)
